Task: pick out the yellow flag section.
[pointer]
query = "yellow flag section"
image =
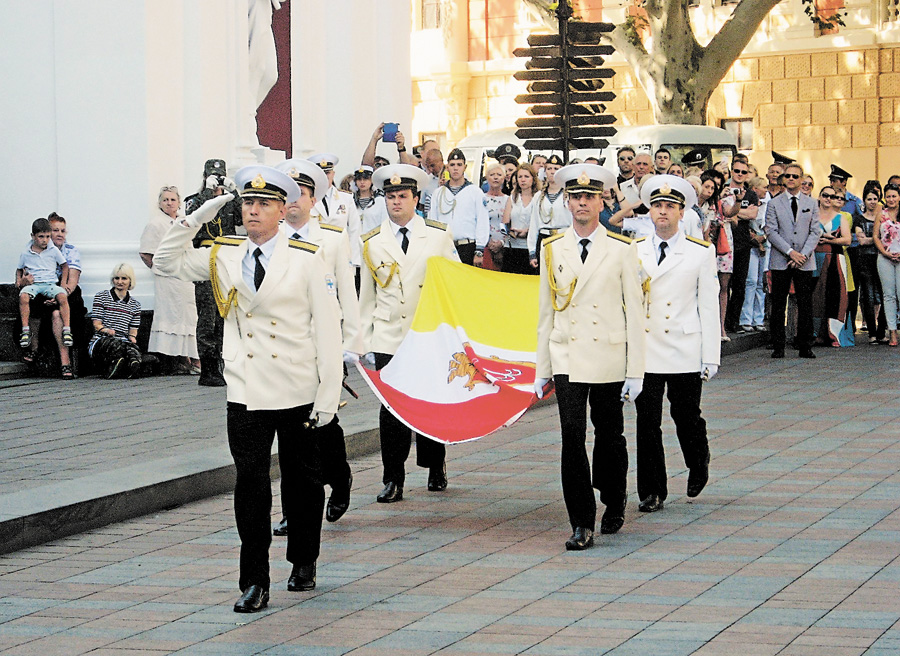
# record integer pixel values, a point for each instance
(466, 367)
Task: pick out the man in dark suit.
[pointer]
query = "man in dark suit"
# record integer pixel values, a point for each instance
(793, 229)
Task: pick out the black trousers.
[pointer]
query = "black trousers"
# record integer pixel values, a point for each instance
(466, 253)
(109, 350)
(396, 441)
(610, 455)
(333, 459)
(210, 326)
(737, 284)
(683, 392)
(250, 436)
(516, 260)
(804, 283)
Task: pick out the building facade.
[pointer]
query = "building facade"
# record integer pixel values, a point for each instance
(820, 96)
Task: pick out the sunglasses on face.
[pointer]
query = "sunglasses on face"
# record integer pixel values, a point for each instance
(623, 158)
(740, 171)
(806, 183)
(830, 196)
(791, 176)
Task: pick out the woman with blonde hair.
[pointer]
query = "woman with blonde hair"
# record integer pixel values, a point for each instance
(174, 331)
(116, 317)
(517, 218)
(495, 201)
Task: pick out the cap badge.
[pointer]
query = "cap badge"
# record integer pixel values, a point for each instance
(259, 182)
(583, 179)
(293, 172)
(665, 189)
(396, 179)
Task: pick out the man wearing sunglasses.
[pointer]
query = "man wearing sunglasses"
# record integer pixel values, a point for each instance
(793, 229)
(838, 179)
(741, 235)
(626, 179)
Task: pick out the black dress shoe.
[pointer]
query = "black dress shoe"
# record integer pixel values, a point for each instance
(338, 502)
(651, 503)
(303, 577)
(254, 599)
(280, 528)
(437, 478)
(391, 493)
(807, 353)
(612, 520)
(778, 352)
(581, 539)
(697, 479)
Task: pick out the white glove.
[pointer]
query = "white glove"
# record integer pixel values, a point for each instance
(350, 357)
(369, 360)
(323, 419)
(212, 182)
(632, 389)
(207, 211)
(539, 384)
(229, 184)
(708, 371)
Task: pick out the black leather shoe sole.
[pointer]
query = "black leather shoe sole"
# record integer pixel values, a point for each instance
(581, 539)
(651, 504)
(338, 502)
(437, 479)
(281, 530)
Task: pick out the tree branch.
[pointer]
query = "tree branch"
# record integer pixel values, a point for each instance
(729, 42)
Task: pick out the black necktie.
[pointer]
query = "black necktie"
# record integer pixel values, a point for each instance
(794, 206)
(405, 243)
(662, 251)
(584, 248)
(260, 273)
(325, 205)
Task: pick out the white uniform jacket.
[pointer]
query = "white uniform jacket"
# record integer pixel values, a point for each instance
(373, 216)
(387, 312)
(335, 247)
(465, 213)
(273, 358)
(544, 214)
(598, 337)
(682, 306)
(342, 213)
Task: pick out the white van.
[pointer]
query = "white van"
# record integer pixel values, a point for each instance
(678, 139)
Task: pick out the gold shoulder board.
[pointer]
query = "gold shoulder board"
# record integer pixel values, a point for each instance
(698, 241)
(371, 233)
(640, 239)
(435, 224)
(230, 241)
(615, 235)
(333, 228)
(552, 238)
(302, 245)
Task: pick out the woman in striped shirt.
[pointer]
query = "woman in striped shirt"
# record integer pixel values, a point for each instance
(117, 317)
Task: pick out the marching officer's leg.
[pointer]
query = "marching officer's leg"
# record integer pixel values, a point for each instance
(396, 440)
(684, 400)
(610, 457)
(651, 458)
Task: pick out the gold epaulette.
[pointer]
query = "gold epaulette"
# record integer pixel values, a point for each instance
(302, 245)
(698, 241)
(371, 233)
(435, 224)
(640, 239)
(206, 243)
(230, 241)
(552, 238)
(615, 235)
(333, 228)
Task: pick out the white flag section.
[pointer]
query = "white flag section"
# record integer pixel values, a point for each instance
(466, 367)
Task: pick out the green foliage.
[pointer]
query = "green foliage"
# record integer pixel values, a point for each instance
(809, 8)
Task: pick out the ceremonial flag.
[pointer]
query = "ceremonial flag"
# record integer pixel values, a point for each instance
(467, 366)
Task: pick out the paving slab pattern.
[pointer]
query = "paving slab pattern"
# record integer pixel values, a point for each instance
(792, 549)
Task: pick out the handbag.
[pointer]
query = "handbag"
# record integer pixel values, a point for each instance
(722, 245)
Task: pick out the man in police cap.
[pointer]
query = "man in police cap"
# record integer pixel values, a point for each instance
(838, 178)
(283, 374)
(336, 207)
(591, 342)
(335, 247)
(683, 343)
(461, 205)
(396, 254)
(507, 155)
(225, 223)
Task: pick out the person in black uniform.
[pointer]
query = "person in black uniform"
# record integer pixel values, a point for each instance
(209, 323)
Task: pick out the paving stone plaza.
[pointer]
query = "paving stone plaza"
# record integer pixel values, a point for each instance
(792, 548)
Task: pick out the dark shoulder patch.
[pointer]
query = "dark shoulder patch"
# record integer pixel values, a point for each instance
(616, 235)
(302, 245)
(230, 241)
(698, 241)
(333, 228)
(435, 224)
(640, 239)
(552, 238)
(374, 231)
